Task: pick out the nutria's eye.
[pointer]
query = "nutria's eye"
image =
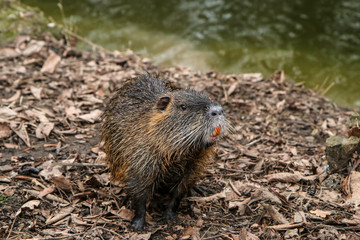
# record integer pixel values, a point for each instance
(183, 107)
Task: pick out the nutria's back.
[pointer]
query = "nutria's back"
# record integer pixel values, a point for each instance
(157, 138)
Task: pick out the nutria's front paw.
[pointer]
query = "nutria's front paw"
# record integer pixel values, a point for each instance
(137, 224)
(170, 215)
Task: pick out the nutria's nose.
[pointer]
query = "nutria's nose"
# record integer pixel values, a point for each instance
(216, 110)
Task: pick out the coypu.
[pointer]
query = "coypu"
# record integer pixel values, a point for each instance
(156, 139)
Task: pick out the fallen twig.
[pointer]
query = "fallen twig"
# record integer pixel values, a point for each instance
(81, 164)
(49, 196)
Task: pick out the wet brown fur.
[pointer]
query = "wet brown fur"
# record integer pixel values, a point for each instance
(143, 144)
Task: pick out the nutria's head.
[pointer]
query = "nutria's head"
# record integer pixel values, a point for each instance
(188, 119)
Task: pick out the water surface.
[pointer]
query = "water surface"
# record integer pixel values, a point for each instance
(317, 42)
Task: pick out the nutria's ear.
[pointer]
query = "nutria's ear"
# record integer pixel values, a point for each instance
(163, 102)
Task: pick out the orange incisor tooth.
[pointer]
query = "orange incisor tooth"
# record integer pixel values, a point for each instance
(217, 131)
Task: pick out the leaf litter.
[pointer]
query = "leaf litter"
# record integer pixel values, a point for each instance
(270, 179)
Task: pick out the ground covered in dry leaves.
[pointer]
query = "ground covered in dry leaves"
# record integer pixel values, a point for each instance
(270, 179)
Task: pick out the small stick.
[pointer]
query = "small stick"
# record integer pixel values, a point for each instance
(108, 230)
(87, 41)
(48, 196)
(54, 238)
(81, 164)
(287, 226)
(12, 225)
(234, 189)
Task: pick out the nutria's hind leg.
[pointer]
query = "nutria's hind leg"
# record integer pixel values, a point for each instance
(139, 204)
(179, 191)
(170, 211)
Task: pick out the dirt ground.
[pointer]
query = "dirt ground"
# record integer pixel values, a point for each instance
(270, 179)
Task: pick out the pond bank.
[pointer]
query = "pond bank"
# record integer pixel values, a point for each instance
(314, 43)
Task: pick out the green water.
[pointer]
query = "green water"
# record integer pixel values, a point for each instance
(317, 42)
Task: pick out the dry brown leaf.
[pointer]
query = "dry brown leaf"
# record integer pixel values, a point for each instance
(126, 214)
(49, 196)
(245, 187)
(66, 94)
(286, 226)
(33, 47)
(324, 125)
(257, 191)
(51, 62)
(36, 92)
(91, 98)
(44, 129)
(246, 235)
(141, 236)
(11, 146)
(21, 41)
(36, 114)
(232, 88)
(284, 177)
(62, 183)
(235, 204)
(199, 222)
(355, 221)
(8, 53)
(31, 204)
(49, 170)
(354, 184)
(242, 207)
(259, 165)
(292, 234)
(354, 131)
(252, 153)
(92, 116)
(72, 111)
(21, 132)
(4, 179)
(275, 214)
(7, 113)
(95, 181)
(13, 98)
(330, 195)
(331, 122)
(5, 130)
(60, 215)
(232, 193)
(46, 191)
(9, 191)
(96, 219)
(28, 205)
(265, 194)
(191, 232)
(280, 106)
(293, 150)
(78, 220)
(69, 131)
(105, 178)
(299, 217)
(321, 213)
(252, 77)
(6, 168)
(214, 197)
